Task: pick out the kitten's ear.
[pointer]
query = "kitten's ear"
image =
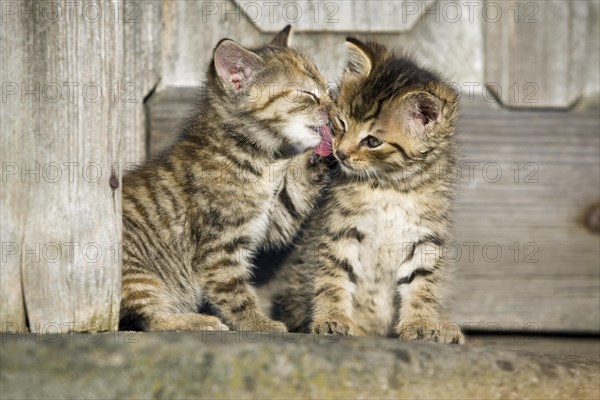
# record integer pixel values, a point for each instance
(235, 65)
(422, 111)
(359, 60)
(282, 39)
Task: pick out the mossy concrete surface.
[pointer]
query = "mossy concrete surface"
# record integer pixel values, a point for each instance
(178, 365)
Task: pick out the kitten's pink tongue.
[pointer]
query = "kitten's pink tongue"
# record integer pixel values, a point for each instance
(324, 147)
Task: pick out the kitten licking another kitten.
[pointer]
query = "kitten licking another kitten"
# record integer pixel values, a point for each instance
(370, 261)
(194, 217)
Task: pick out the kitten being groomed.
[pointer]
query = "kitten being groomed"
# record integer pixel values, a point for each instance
(193, 219)
(371, 259)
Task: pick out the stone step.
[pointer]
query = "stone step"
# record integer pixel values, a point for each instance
(179, 365)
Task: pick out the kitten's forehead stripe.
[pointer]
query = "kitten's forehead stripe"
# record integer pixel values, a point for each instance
(270, 101)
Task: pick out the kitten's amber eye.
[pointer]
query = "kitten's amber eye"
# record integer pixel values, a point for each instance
(371, 142)
(312, 96)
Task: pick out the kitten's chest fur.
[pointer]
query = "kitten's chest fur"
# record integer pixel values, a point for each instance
(390, 220)
(391, 223)
(399, 226)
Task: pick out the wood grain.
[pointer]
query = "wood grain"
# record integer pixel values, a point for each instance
(549, 163)
(142, 73)
(535, 53)
(12, 306)
(65, 217)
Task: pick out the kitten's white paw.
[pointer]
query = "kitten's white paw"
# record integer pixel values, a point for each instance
(211, 323)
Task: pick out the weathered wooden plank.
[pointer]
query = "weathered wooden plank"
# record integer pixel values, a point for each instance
(592, 77)
(12, 306)
(549, 164)
(61, 133)
(547, 275)
(12, 310)
(536, 51)
(188, 38)
(142, 24)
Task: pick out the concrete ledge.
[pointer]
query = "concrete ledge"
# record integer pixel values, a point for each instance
(180, 365)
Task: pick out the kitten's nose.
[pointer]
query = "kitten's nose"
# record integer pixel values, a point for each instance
(341, 155)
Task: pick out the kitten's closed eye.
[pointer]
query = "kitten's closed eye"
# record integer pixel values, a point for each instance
(341, 125)
(313, 96)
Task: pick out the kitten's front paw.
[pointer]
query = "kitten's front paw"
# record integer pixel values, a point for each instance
(430, 331)
(338, 326)
(264, 325)
(213, 324)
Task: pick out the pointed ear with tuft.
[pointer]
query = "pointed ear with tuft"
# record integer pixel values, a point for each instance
(235, 65)
(422, 111)
(359, 60)
(282, 39)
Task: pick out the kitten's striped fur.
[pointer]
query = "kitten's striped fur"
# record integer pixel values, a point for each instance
(371, 260)
(194, 217)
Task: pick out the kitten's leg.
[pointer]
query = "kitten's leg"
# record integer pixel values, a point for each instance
(418, 282)
(185, 322)
(306, 176)
(146, 305)
(334, 283)
(224, 277)
(293, 290)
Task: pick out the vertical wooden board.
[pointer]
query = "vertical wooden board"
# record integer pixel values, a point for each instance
(592, 33)
(535, 51)
(189, 35)
(63, 205)
(12, 58)
(142, 26)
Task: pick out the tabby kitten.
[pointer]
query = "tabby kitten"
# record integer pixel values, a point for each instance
(371, 260)
(193, 218)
